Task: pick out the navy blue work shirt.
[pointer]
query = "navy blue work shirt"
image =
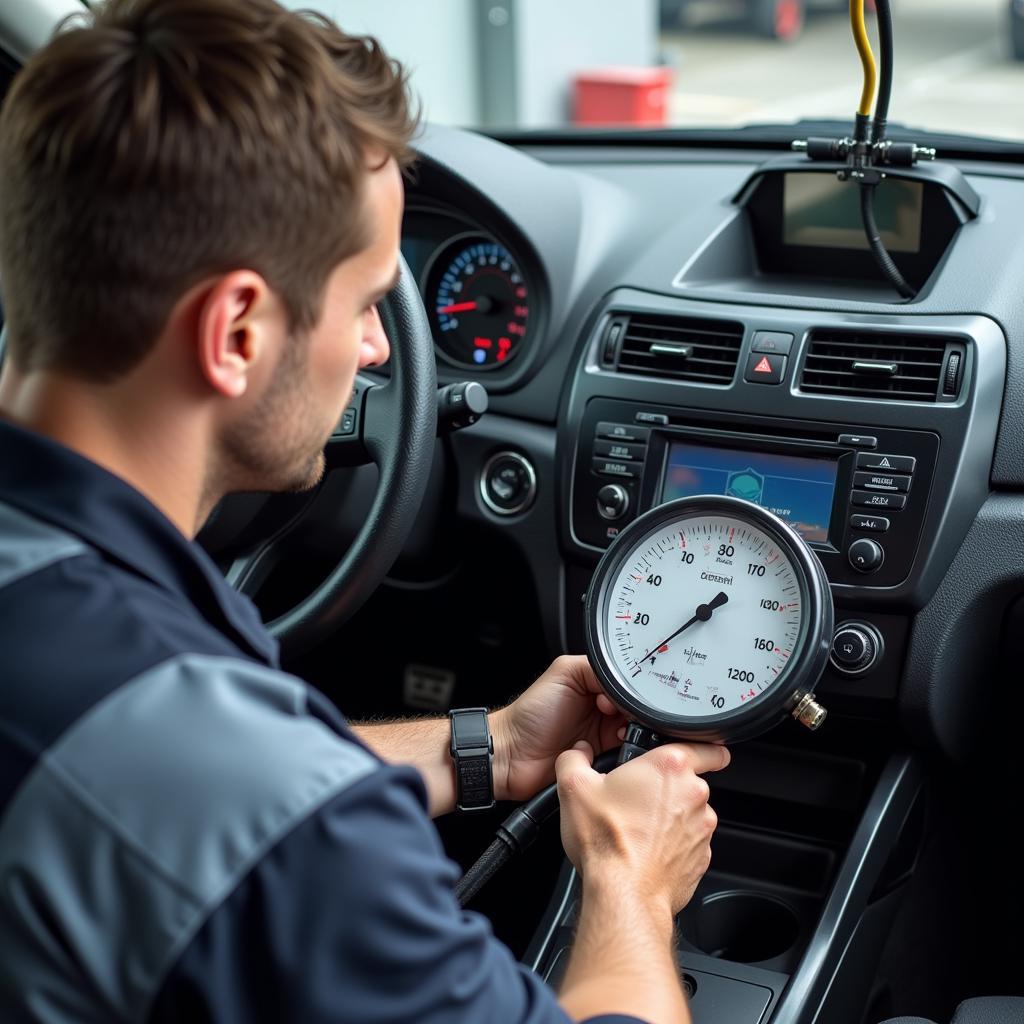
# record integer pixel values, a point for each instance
(187, 833)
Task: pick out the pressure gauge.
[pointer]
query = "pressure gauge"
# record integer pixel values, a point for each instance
(710, 619)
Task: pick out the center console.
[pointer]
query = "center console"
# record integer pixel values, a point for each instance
(873, 438)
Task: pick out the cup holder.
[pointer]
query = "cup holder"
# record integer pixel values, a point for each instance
(745, 927)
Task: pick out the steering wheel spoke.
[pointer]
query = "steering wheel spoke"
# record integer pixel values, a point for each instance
(347, 445)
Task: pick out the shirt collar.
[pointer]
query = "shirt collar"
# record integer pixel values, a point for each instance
(54, 483)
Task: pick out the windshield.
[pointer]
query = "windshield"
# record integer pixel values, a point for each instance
(540, 64)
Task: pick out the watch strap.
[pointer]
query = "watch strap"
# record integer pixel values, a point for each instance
(472, 750)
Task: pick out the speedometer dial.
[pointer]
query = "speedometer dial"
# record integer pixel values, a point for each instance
(710, 617)
(478, 303)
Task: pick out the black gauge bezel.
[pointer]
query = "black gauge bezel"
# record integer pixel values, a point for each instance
(804, 668)
(450, 245)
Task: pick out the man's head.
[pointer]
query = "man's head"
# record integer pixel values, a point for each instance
(224, 172)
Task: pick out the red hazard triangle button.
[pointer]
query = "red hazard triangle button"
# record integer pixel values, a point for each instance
(765, 369)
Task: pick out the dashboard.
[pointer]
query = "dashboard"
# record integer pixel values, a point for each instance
(657, 355)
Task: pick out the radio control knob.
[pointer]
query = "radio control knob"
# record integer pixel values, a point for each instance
(612, 501)
(856, 648)
(865, 555)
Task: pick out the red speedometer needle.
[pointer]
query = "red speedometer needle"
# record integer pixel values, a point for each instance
(458, 307)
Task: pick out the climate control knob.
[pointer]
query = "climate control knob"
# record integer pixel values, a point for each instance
(856, 648)
(612, 501)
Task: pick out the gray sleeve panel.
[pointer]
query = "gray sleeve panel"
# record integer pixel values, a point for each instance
(28, 545)
(142, 819)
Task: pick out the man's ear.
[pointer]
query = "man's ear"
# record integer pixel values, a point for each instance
(232, 326)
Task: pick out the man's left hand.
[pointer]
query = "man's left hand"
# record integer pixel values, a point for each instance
(563, 706)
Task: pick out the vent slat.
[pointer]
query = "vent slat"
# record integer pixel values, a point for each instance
(829, 366)
(714, 345)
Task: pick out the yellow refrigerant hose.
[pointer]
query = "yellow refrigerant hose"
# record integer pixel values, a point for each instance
(867, 58)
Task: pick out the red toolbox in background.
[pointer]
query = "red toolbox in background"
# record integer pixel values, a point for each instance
(622, 95)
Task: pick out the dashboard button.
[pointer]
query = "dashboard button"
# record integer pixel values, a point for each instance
(888, 463)
(772, 341)
(882, 481)
(658, 418)
(623, 432)
(877, 524)
(618, 450)
(858, 441)
(612, 501)
(765, 369)
(856, 648)
(849, 647)
(865, 555)
(879, 499)
(612, 467)
(508, 483)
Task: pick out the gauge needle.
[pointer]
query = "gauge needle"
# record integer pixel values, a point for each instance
(702, 614)
(458, 307)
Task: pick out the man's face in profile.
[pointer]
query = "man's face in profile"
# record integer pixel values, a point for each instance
(276, 441)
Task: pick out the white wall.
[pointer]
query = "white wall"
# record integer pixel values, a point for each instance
(530, 60)
(436, 39)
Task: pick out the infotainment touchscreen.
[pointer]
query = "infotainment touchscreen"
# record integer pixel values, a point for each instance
(797, 489)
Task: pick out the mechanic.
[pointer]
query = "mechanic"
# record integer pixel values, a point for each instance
(200, 206)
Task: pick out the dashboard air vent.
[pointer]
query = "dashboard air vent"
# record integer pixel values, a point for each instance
(680, 348)
(872, 364)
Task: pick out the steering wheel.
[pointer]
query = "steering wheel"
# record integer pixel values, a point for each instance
(393, 425)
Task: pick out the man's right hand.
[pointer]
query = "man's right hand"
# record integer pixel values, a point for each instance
(641, 839)
(647, 825)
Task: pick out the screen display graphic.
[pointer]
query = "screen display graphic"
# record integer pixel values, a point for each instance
(798, 490)
(820, 211)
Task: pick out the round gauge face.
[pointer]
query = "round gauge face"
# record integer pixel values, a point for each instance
(478, 303)
(702, 616)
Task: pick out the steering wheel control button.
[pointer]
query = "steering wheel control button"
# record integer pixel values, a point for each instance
(882, 481)
(856, 648)
(886, 463)
(659, 419)
(876, 524)
(865, 555)
(612, 501)
(764, 368)
(879, 499)
(508, 483)
(772, 341)
(858, 441)
(347, 425)
(625, 432)
(611, 467)
(615, 450)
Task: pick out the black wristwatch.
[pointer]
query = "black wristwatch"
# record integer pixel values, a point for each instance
(472, 750)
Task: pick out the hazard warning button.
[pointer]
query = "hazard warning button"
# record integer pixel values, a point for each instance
(765, 368)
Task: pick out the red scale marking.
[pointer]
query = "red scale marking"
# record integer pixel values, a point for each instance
(623, 616)
(663, 648)
(682, 540)
(731, 532)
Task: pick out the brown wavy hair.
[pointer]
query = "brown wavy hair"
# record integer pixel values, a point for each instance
(160, 142)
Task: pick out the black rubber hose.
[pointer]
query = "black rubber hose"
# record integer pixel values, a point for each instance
(482, 870)
(883, 11)
(878, 250)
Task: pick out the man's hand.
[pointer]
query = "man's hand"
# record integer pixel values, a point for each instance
(646, 826)
(563, 706)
